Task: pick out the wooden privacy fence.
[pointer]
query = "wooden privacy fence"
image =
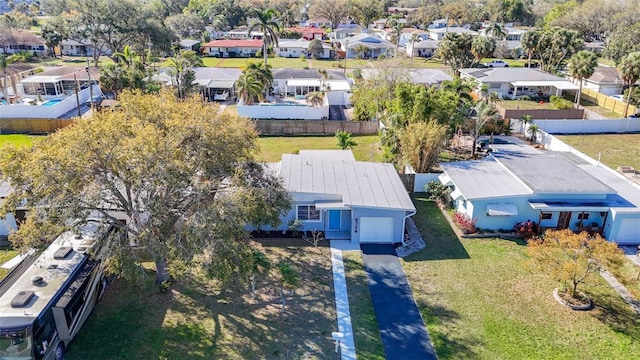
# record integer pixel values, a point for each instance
(541, 113)
(315, 127)
(33, 126)
(607, 102)
(408, 180)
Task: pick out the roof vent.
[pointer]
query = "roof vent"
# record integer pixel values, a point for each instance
(62, 252)
(22, 299)
(37, 280)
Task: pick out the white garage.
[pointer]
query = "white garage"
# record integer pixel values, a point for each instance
(376, 230)
(629, 231)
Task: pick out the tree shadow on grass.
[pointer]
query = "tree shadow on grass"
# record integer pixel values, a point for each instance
(613, 311)
(446, 347)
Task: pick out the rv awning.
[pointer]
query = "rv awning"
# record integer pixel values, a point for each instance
(502, 209)
(559, 84)
(330, 205)
(41, 79)
(221, 84)
(303, 82)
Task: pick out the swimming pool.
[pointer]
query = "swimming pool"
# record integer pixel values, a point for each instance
(51, 102)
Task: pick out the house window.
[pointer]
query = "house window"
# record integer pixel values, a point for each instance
(583, 216)
(546, 216)
(308, 213)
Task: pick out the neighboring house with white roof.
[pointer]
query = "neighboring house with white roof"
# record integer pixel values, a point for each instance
(439, 33)
(374, 46)
(232, 48)
(423, 48)
(190, 44)
(216, 84)
(513, 83)
(361, 202)
(555, 190)
(295, 48)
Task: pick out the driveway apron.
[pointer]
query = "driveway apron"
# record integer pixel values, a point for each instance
(402, 330)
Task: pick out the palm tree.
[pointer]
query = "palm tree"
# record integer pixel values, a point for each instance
(315, 98)
(526, 120)
(529, 42)
(630, 73)
(344, 140)
(496, 30)
(261, 72)
(484, 112)
(249, 88)
(414, 39)
(361, 49)
(482, 47)
(582, 65)
(533, 132)
(265, 22)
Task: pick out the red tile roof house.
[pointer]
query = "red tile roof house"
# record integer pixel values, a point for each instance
(232, 48)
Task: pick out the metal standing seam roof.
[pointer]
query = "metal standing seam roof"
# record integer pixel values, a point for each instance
(510, 74)
(221, 84)
(361, 184)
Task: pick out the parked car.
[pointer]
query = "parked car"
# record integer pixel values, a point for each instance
(496, 63)
(95, 100)
(619, 97)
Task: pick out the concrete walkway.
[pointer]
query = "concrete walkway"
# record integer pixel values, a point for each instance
(347, 344)
(402, 329)
(630, 253)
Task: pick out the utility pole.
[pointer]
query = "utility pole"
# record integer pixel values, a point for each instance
(90, 85)
(75, 80)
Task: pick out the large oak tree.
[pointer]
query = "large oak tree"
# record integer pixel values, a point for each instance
(181, 173)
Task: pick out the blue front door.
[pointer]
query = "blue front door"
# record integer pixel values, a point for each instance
(334, 219)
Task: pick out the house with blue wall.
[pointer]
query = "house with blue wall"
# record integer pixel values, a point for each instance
(553, 189)
(360, 202)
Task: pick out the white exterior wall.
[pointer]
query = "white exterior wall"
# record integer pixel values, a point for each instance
(47, 112)
(607, 89)
(584, 127)
(283, 112)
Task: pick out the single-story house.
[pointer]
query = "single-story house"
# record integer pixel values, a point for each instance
(514, 83)
(242, 34)
(309, 33)
(417, 76)
(367, 46)
(361, 202)
(72, 47)
(299, 82)
(295, 48)
(423, 48)
(338, 35)
(405, 35)
(316, 23)
(555, 190)
(605, 80)
(189, 44)
(13, 41)
(216, 84)
(232, 48)
(439, 33)
(512, 34)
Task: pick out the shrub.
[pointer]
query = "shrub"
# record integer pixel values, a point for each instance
(525, 229)
(438, 192)
(560, 103)
(465, 223)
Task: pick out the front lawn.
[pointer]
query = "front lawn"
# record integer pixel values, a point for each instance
(615, 149)
(481, 299)
(272, 147)
(194, 319)
(17, 139)
(525, 105)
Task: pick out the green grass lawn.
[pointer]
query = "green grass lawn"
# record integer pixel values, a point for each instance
(272, 147)
(16, 139)
(524, 105)
(481, 299)
(616, 149)
(363, 318)
(6, 255)
(74, 61)
(195, 319)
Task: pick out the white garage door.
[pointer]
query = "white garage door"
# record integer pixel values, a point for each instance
(376, 230)
(629, 231)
